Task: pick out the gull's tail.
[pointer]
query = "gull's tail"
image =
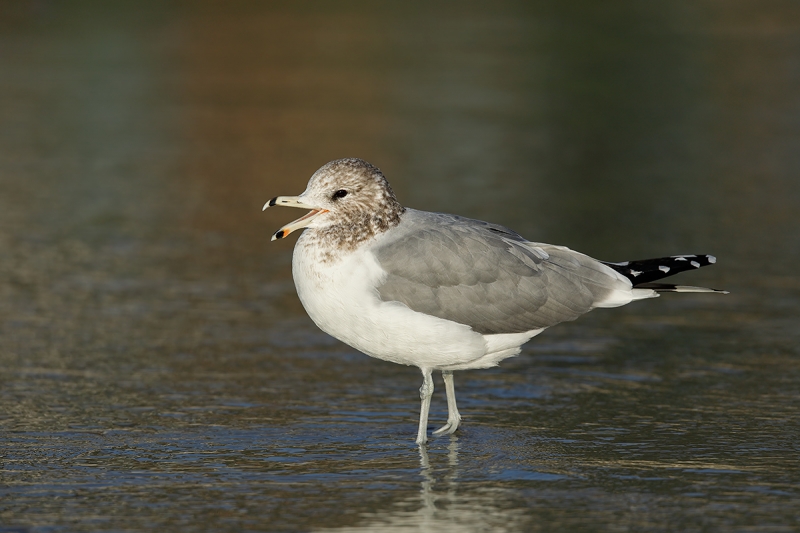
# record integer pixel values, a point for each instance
(642, 273)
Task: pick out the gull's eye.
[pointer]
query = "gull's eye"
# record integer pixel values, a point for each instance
(341, 193)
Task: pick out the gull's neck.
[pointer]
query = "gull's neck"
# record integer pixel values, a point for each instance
(351, 231)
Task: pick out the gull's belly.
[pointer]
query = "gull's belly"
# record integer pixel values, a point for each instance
(340, 297)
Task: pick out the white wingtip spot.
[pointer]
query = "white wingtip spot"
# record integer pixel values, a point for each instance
(635, 273)
(695, 264)
(664, 268)
(711, 259)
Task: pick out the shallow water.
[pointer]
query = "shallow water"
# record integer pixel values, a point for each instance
(158, 372)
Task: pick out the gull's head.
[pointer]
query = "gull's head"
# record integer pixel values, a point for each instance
(348, 196)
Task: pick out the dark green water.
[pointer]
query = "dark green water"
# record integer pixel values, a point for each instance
(157, 371)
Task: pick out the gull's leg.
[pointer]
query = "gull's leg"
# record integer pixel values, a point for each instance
(453, 418)
(425, 393)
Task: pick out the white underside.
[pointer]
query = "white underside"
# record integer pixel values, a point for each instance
(342, 299)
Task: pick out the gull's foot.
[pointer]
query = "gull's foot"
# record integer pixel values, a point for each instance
(449, 428)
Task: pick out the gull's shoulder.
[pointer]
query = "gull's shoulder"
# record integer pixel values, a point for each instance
(427, 224)
(442, 249)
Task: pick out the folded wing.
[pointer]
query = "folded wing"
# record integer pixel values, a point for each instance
(488, 277)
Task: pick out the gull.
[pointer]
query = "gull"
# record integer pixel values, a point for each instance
(442, 292)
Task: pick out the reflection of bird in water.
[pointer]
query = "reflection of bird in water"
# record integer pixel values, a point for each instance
(443, 504)
(438, 291)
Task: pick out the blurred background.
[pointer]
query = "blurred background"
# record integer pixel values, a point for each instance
(158, 372)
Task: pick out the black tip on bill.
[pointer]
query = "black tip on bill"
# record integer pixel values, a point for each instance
(270, 203)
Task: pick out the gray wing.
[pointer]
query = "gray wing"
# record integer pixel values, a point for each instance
(487, 276)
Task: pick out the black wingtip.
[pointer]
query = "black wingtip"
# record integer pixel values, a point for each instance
(648, 270)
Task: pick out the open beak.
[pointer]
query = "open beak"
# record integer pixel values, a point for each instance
(302, 222)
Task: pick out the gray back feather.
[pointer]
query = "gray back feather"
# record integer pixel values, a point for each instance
(487, 276)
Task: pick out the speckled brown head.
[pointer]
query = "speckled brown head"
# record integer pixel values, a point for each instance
(350, 202)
